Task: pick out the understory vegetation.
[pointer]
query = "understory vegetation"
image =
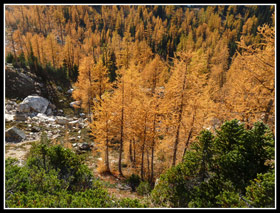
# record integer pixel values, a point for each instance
(233, 167)
(56, 177)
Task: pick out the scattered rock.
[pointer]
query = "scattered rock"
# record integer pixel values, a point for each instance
(8, 107)
(123, 187)
(20, 116)
(83, 115)
(70, 91)
(76, 104)
(39, 84)
(59, 88)
(14, 134)
(44, 118)
(84, 146)
(61, 120)
(35, 129)
(73, 123)
(9, 117)
(60, 112)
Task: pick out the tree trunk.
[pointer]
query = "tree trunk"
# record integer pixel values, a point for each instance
(179, 118)
(130, 151)
(107, 157)
(176, 143)
(107, 150)
(268, 109)
(143, 149)
(190, 134)
(187, 143)
(121, 146)
(153, 148)
(122, 132)
(134, 153)
(148, 165)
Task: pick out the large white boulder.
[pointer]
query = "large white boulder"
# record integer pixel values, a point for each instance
(33, 103)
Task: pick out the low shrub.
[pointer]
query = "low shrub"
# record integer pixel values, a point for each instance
(130, 203)
(133, 181)
(55, 177)
(144, 188)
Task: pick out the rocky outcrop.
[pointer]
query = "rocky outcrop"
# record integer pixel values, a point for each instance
(34, 115)
(20, 82)
(14, 135)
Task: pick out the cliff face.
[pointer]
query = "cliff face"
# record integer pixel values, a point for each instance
(19, 83)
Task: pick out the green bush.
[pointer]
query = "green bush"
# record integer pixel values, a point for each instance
(261, 192)
(133, 181)
(218, 170)
(69, 166)
(97, 198)
(52, 177)
(241, 154)
(144, 188)
(55, 177)
(130, 203)
(9, 58)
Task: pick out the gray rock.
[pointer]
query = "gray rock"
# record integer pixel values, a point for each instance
(123, 187)
(76, 104)
(8, 107)
(35, 129)
(61, 120)
(33, 103)
(85, 146)
(44, 118)
(20, 116)
(70, 91)
(74, 123)
(14, 135)
(49, 112)
(72, 139)
(59, 88)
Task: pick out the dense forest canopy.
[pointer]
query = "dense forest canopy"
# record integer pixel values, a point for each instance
(151, 77)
